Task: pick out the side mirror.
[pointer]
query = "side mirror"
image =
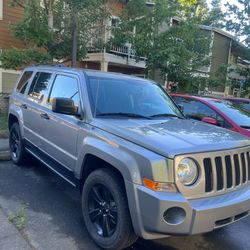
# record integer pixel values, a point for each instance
(64, 106)
(209, 120)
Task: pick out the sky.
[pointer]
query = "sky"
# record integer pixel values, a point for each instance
(223, 2)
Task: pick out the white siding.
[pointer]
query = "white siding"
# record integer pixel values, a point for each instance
(1, 9)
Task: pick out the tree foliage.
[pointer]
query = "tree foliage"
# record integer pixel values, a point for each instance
(177, 50)
(47, 29)
(239, 22)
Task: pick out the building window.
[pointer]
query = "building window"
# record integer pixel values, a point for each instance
(1, 9)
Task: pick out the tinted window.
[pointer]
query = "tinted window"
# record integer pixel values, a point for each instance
(22, 85)
(39, 85)
(65, 86)
(197, 110)
(245, 105)
(139, 97)
(234, 112)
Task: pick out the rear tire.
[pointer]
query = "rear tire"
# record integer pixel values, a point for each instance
(17, 150)
(105, 210)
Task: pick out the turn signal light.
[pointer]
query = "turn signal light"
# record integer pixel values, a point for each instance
(159, 186)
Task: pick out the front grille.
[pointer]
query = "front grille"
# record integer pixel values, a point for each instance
(227, 171)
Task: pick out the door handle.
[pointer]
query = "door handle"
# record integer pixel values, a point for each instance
(24, 106)
(44, 116)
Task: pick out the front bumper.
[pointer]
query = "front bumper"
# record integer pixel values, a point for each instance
(187, 216)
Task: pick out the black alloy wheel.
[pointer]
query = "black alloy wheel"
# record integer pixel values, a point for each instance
(15, 144)
(102, 210)
(105, 210)
(17, 149)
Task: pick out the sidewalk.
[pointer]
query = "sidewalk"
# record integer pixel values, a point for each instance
(10, 237)
(4, 149)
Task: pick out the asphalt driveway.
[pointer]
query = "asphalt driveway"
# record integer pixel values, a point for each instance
(52, 218)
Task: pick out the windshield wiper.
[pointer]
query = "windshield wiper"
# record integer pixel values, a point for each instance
(133, 115)
(166, 115)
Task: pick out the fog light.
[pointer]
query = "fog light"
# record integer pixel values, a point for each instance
(174, 215)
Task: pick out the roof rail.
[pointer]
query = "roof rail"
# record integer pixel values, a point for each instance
(60, 65)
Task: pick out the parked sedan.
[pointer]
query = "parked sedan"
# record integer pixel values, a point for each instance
(242, 102)
(218, 112)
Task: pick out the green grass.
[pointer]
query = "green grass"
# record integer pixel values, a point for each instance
(18, 218)
(3, 125)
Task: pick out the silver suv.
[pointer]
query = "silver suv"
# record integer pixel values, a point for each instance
(142, 168)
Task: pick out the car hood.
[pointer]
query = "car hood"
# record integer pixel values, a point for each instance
(173, 136)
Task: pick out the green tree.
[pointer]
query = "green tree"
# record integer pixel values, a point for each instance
(176, 50)
(239, 22)
(215, 16)
(47, 30)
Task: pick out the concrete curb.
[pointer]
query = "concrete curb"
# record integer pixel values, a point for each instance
(5, 155)
(4, 149)
(10, 237)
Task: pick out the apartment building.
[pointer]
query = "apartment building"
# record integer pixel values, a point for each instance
(225, 52)
(8, 15)
(115, 59)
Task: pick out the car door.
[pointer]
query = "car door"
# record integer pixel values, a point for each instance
(33, 109)
(61, 131)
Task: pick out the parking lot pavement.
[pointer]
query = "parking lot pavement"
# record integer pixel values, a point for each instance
(52, 216)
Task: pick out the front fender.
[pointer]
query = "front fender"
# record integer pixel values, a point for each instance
(17, 112)
(112, 154)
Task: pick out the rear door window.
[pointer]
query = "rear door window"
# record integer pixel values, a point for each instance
(39, 85)
(23, 82)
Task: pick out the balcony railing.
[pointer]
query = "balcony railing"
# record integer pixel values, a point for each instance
(125, 51)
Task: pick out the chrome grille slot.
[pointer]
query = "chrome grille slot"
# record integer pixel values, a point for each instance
(219, 173)
(229, 171)
(243, 164)
(208, 174)
(248, 165)
(226, 171)
(237, 169)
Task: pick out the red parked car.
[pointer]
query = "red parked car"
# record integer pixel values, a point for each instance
(214, 111)
(242, 102)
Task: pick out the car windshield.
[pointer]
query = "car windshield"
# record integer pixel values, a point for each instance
(234, 112)
(135, 98)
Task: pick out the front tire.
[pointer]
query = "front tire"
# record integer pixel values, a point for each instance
(17, 150)
(105, 210)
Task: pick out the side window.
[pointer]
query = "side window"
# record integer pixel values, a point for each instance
(65, 86)
(23, 82)
(39, 85)
(198, 110)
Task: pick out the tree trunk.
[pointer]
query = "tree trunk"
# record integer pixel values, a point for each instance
(50, 19)
(49, 10)
(74, 40)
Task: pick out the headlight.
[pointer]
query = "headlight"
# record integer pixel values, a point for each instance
(187, 171)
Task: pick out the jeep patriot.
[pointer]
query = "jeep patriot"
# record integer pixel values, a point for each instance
(143, 169)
